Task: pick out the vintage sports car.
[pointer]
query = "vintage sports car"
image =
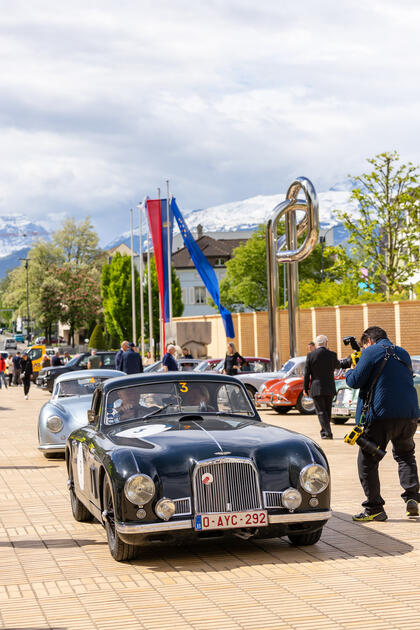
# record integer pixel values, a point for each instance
(284, 391)
(186, 455)
(67, 408)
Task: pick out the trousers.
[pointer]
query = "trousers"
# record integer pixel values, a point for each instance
(323, 406)
(3, 378)
(400, 433)
(26, 380)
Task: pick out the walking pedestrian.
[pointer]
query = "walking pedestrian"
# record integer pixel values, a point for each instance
(9, 367)
(388, 411)
(16, 368)
(119, 356)
(3, 372)
(319, 379)
(132, 363)
(169, 362)
(26, 372)
(233, 360)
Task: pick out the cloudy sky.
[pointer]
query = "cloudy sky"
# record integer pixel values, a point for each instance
(101, 102)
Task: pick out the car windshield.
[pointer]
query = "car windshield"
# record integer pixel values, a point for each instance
(416, 365)
(74, 360)
(183, 397)
(78, 387)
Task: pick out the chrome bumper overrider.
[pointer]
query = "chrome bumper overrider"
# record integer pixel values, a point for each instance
(52, 448)
(171, 526)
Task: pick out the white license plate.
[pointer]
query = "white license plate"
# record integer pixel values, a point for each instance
(231, 520)
(338, 411)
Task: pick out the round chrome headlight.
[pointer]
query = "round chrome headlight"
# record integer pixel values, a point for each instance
(54, 424)
(165, 509)
(291, 498)
(139, 489)
(314, 478)
(262, 388)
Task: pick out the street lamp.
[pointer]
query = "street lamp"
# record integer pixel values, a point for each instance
(322, 241)
(28, 329)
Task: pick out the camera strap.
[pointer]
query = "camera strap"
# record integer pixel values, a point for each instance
(389, 352)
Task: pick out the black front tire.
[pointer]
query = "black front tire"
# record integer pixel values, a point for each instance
(281, 410)
(304, 410)
(119, 550)
(303, 540)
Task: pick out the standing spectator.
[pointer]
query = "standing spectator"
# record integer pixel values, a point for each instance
(45, 361)
(132, 363)
(233, 360)
(311, 346)
(9, 366)
(319, 374)
(26, 371)
(169, 362)
(385, 378)
(3, 372)
(119, 356)
(66, 357)
(56, 360)
(94, 362)
(148, 359)
(186, 354)
(16, 368)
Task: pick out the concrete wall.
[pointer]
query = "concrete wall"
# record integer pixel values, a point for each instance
(401, 320)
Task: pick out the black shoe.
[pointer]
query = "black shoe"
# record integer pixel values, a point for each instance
(412, 508)
(326, 437)
(365, 517)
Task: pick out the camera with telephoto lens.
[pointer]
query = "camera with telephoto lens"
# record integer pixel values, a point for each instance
(356, 437)
(352, 359)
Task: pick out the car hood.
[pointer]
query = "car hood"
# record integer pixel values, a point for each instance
(170, 447)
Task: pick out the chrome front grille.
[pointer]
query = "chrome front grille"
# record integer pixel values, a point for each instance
(182, 506)
(272, 499)
(234, 487)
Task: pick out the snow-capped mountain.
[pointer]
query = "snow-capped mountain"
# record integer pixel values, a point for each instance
(17, 234)
(249, 213)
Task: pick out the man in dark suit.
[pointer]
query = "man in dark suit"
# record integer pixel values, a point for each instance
(319, 374)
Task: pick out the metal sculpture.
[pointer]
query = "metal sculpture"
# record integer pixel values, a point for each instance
(285, 250)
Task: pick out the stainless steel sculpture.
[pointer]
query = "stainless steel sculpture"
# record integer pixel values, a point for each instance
(285, 250)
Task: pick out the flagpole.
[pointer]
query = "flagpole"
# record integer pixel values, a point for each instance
(149, 298)
(141, 273)
(168, 204)
(133, 295)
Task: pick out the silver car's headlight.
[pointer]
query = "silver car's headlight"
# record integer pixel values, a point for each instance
(54, 424)
(165, 509)
(261, 388)
(314, 478)
(139, 489)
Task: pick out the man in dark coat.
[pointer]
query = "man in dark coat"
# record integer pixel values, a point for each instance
(319, 374)
(119, 356)
(131, 362)
(26, 373)
(392, 417)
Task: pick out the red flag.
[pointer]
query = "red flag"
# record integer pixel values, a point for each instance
(155, 223)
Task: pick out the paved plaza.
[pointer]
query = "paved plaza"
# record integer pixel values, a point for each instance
(56, 573)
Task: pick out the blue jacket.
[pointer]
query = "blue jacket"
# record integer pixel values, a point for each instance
(394, 395)
(131, 362)
(118, 359)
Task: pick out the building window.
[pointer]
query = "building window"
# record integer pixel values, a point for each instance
(220, 262)
(199, 295)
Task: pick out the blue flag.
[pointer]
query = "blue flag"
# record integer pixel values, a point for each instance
(204, 268)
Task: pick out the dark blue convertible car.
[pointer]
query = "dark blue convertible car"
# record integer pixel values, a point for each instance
(183, 455)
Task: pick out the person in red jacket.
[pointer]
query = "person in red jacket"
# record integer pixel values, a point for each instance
(3, 372)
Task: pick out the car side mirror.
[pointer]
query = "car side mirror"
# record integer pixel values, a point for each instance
(91, 416)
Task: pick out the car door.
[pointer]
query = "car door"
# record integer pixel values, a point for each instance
(91, 459)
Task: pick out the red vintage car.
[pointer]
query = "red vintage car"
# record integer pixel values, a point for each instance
(282, 394)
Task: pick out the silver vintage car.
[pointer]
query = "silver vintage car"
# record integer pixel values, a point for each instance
(67, 408)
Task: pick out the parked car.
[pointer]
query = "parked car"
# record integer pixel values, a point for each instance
(255, 381)
(207, 365)
(285, 393)
(184, 365)
(47, 376)
(67, 408)
(182, 456)
(19, 337)
(10, 344)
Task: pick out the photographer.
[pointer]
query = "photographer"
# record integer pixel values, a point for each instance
(387, 410)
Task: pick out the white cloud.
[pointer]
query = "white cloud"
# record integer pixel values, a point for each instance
(228, 98)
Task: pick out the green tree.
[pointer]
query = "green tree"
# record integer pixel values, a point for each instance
(116, 296)
(245, 283)
(78, 243)
(97, 339)
(385, 238)
(333, 293)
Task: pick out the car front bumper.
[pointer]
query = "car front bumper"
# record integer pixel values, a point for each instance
(128, 529)
(272, 399)
(52, 448)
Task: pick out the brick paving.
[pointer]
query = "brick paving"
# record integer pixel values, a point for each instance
(56, 573)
